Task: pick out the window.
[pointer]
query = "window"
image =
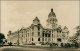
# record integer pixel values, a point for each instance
(52, 35)
(32, 27)
(52, 39)
(43, 34)
(38, 39)
(32, 39)
(38, 33)
(59, 39)
(49, 31)
(49, 39)
(45, 39)
(42, 39)
(52, 31)
(46, 35)
(38, 27)
(32, 33)
(70, 40)
(22, 35)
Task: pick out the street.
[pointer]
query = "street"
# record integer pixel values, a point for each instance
(18, 48)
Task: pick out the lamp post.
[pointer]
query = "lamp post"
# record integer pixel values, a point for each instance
(18, 37)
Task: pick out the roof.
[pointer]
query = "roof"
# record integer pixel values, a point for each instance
(36, 18)
(65, 27)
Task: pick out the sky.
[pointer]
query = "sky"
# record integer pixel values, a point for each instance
(15, 14)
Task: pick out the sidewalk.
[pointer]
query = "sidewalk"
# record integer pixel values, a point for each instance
(35, 46)
(45, 46)
(51, 48)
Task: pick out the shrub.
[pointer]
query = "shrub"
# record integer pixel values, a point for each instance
(10, 43)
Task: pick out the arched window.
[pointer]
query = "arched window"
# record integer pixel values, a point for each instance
(38, 39)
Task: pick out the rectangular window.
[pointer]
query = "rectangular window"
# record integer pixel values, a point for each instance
(38, 33)
(46, 35)
(42, 39)
(45, 39)
(52, 39)
(32, 27)
(52, 35)
(43, 34)
(49, 39)
(52, 31)
(32, 39)
(38, 27)
(38, 39)
(59, 39)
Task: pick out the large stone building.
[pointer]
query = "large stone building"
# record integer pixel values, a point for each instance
(36, 33)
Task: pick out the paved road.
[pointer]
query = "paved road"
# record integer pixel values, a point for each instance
(16, 48)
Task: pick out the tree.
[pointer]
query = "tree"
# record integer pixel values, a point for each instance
(77, 34)
(1, 38)
(78, 30)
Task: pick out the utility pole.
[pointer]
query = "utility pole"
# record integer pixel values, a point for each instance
(18, 37)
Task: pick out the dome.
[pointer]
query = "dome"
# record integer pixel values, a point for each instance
(65, 27)
(51, 13)
(36, 18)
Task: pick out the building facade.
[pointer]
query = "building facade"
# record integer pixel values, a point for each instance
(36, 33)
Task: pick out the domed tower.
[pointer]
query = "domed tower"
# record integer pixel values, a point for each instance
(52, 20)
(65, 33)
(36, 31)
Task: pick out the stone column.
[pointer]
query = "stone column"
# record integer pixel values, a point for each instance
(41, 35)
(47, 37)
(51, 36)
(44, 37)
